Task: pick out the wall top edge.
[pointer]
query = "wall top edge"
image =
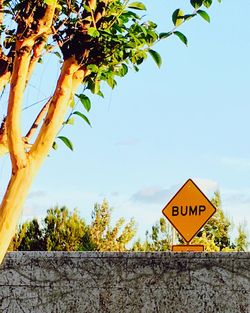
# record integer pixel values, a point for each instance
(127, 255)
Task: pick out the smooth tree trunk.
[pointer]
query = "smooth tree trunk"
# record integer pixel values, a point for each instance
(11, 206)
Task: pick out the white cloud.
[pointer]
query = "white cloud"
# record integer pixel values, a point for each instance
(207, 186)
(36, 194)
(154, 194)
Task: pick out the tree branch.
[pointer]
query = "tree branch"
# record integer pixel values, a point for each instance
(46, 22)
(70, 78)
(3, 139)
(37, 51)
(44, 29)
(17, 87)
(37, 121)
(21, 67)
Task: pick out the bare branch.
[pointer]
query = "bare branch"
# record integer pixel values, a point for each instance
(37, 121)
(3, 139)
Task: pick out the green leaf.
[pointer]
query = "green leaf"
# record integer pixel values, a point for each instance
(70, 121)
(177, 17)
(86, 7)
(100, 94)
(93, 32)
(196, 3)
(72, 103)
(136, 68)
(50, 2)
(131, 15)
(96, 87)
(207, 3)
(165, 35)
(111, 82)
(204, 15)
(54, 146)
(137, 6)
(83, 117)
(182, 37)
(123, 70)
(58, 54)
(156, 57)
(93, 68)
(85, 101)
(67, 142)
(187, 17)
(53, 2)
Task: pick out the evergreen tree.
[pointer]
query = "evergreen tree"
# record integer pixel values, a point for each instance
(63, 230)
(28, 238)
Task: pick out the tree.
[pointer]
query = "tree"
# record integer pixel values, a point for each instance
(241, 241)
(95, 40)
(29, 237)
(217, 229)
(62, 230)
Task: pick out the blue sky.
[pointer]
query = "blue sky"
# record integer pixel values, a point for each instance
(190, 119)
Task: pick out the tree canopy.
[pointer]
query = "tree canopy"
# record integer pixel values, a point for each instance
(62, 230)
(67, 231)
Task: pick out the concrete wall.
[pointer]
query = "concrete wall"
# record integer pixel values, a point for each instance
(125, 282)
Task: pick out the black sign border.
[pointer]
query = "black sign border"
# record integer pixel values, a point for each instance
(215, 209)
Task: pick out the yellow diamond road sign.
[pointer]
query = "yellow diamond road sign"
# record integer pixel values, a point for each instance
(189, 210)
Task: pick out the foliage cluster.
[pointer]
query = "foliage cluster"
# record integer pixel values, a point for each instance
(105, 37)
(65, 231)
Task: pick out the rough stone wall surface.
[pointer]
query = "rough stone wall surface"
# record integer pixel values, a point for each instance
(87, 282)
